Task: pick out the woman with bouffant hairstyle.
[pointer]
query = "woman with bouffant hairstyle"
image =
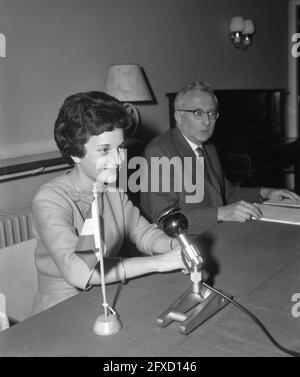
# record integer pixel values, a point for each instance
(89, 132)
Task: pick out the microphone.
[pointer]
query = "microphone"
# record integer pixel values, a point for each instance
(175, 225)
(199, 299)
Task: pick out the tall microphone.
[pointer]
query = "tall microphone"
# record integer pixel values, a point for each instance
(175, 225)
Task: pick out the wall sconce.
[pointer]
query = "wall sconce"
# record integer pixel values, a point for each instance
(127, 82)
(241, 32)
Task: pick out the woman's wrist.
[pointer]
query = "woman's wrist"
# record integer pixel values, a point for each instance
(156, 260)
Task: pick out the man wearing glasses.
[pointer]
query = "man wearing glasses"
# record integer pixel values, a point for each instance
(196, 113)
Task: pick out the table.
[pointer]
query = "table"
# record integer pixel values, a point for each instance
(258, 263)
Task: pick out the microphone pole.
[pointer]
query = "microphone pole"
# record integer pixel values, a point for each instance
(107, 323)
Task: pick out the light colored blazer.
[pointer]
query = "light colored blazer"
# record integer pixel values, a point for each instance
(58, 217)
(203, 215)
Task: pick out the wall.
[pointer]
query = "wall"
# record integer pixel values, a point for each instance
(19, 193)
(58, 47)
(55, 48)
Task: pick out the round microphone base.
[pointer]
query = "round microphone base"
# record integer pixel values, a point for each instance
(107, 325)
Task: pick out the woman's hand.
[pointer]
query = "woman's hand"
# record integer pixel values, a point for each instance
(169, 261)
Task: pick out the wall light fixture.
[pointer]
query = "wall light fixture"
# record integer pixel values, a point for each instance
(241, 32)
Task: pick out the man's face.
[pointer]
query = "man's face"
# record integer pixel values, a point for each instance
(196, 130)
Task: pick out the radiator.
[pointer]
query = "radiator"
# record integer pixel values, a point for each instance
(15, 226)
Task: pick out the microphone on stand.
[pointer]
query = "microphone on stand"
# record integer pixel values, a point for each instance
(108, 323)
(198, 303)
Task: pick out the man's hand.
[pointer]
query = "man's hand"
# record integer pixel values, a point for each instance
(278, 194)
(241, 211)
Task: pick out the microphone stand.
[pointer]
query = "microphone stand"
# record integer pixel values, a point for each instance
(107, 323)
(204, 302)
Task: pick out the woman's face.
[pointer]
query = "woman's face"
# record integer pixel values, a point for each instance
(103, 157)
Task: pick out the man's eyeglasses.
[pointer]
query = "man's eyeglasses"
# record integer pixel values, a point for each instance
(200, 114)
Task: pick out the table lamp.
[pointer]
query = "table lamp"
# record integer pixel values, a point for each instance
(128, 84)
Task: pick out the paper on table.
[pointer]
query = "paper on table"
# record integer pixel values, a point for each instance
(279, 214)
(283, 202)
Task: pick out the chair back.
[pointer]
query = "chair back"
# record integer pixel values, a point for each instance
(18, 280)
(4, 323)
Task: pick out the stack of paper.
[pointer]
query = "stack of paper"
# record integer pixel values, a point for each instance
(283, 202)
(280, 213)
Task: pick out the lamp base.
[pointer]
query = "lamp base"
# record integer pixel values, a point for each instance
(107, 325)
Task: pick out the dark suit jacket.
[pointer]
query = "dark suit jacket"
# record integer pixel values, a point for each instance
(202, 215)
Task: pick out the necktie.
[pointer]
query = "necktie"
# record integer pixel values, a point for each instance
(208, 168)
(199, 152)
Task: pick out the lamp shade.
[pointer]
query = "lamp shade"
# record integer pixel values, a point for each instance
(249, 27)
(126, 82)
(236, 24)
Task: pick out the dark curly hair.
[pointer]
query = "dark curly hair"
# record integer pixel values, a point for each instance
(83, 115)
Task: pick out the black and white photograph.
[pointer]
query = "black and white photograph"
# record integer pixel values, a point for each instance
(149, 181)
